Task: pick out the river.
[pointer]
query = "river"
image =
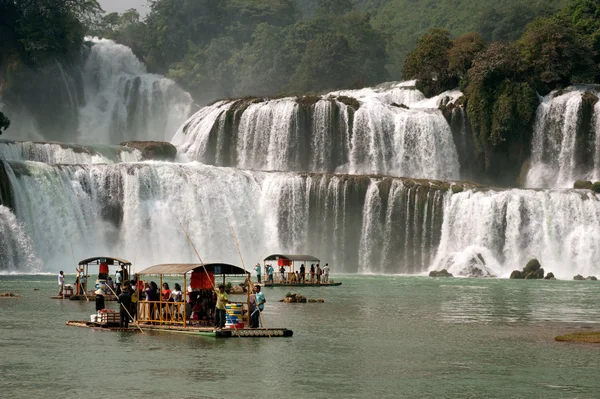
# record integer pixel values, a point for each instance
(375, 336)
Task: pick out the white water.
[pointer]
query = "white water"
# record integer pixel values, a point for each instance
(385, 138)
(16, 248)
(554, 162)
(124, 102)
(131, 210)
(508, 228)
(109, 99)
(54, 153)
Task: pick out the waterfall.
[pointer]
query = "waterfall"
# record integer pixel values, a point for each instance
(105, 98)
(65, 153)
(501, 231)
(123, 101)
(16, 248)
(565, 139)
(127, 209)
(391, 130)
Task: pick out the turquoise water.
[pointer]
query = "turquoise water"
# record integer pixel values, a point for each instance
(413, 337)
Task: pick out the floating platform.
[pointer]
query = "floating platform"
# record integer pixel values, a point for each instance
(190, 330)
(300, 284)
(91, 297)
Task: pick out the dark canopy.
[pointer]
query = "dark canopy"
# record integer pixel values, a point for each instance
(105, 259)
(293, 258)
(183, 268)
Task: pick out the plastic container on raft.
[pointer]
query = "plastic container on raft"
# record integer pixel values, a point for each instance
(101, 285)
(67, 290)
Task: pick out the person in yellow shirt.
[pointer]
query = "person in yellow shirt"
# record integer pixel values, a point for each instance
(222, 299)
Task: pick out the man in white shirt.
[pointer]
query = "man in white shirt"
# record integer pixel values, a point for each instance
(61, 283)
(326, 273)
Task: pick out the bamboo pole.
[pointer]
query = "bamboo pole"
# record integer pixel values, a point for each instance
(129, 314)
(249, 278)
(202, 264)
(77, 269)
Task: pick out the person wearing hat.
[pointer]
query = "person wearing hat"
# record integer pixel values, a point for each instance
(222, 299)
(99, 300)
(125, 305)
(257, 267)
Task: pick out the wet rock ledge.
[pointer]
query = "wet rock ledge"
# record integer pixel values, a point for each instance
(153, 150)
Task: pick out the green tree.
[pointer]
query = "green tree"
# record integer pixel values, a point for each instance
(461, 55)
(331, 8)
(324, 63)
(554, 53)
(428, 62)
(4, 122)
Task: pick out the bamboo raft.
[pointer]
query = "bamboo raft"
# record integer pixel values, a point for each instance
(284, 284)
(188, 330)
(91, 297)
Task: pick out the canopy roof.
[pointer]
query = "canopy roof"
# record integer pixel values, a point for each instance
(108, 259)
(183, 268)
(293, 258)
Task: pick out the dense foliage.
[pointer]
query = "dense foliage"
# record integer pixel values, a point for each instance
(226, 48)
(4, 122)
(36, 32)
(501, 80)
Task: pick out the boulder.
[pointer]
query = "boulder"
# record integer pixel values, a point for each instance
(440, 273)
(516, 275)
(532, 271)
(293, 298)
(579, 277)
(237, 290)
(592, 278)
(153, 150)
(457, 189)
(550, 276)
(583, 184)
(532, 266)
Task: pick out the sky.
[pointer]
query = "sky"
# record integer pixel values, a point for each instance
(122, 5)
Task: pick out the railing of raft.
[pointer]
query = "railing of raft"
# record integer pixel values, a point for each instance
(292, 278)
(161, 312)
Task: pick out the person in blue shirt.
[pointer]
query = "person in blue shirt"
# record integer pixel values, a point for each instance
(270, 274)
(258, 272)
(260, 305)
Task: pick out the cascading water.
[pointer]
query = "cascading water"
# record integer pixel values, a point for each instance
(499, 232)
(368, 131)
(128, 209)
(16, 248)
(65, 153)
(124, 102)
(565, 141)
(107, 98)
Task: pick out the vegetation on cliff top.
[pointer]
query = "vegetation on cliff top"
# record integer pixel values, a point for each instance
(501, 80)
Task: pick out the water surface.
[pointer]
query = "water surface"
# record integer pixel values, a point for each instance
(413, 337)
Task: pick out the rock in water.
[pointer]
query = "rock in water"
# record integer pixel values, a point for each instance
(516, 275)
(153, 150)
(579, 277)
(532, 271)
(550, 276)
(440, 273)
(583, 184)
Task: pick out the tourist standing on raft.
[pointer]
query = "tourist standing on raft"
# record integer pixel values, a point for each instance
(319, 272)
(118, 279)
(61, 283)
(258, 272)
(125, 306)
(270, 270)
(326, 273)
(260, 305)
(303, 273)
(222, 299)
(312, 273)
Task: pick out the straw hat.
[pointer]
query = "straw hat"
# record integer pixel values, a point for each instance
(99, 292)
